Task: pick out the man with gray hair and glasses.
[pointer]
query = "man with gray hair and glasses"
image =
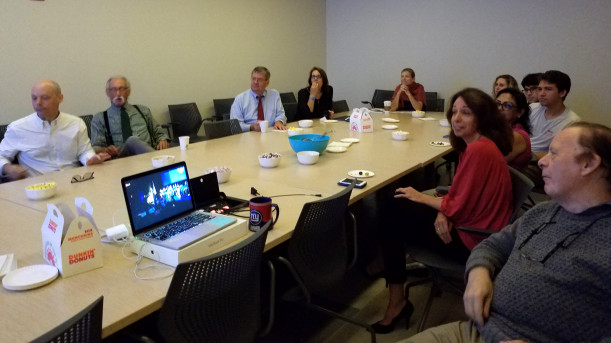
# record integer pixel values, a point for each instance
(125, 129)
(547, 277)
(47, 140)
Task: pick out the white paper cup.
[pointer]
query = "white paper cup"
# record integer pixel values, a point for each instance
(184, 142)
(264, 125)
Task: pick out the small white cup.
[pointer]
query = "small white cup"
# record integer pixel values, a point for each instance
(264, 125)
(184, 142)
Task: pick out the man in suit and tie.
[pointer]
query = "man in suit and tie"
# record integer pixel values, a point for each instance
(258, 104)
(125, 129)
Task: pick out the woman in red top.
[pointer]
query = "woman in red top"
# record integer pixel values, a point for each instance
(409, 95)
(514, 107)
(480, 197)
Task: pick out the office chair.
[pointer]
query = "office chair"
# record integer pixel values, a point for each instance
(443, 269)
(290, 110)
(320, 253)
(222, 128)
(87, 119)
(222, 108)
(216, 298)
(435, 105)
(287, 98)
(185, 121)
(85, 326)
(379, 96)
(340, 106)
(430, 96)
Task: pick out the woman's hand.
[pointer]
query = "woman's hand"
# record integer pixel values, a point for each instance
(443, 226)
(409, 193)
(315, 88)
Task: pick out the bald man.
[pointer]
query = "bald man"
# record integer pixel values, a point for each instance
(47, 140)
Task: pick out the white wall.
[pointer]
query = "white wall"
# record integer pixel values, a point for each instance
(454, 44)
(173, 51)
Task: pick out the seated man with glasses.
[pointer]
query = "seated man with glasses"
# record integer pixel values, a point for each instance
(258, 104)
(547, 277)
(409, 95)
(47, 140)
(530, 86)
(125, 129)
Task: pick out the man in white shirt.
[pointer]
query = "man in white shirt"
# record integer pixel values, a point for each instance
(47, 140)
(551, 115)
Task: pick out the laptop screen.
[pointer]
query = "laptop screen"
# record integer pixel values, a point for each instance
(157, 195)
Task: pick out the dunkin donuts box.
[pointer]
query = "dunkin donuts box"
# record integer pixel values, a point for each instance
(71, 241)
(361, 121)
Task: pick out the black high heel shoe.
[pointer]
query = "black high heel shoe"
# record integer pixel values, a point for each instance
(406, 312)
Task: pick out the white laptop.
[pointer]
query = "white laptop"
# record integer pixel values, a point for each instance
(162, 211)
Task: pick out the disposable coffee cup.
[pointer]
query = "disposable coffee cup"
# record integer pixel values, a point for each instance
(184, 142)
(261, 213)
(264, 125)
(387, 106)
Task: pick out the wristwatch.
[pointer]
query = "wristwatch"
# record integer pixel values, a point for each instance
(312, 98)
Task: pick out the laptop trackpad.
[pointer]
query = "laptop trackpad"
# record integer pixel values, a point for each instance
(209, 227)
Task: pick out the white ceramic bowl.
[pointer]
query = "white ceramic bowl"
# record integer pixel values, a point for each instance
(444, 122)
(400, 135)
(294, 131)
(418, 114)
(308, 157)
(40, 191)
(162, 160)
(306, 123)
(222, 173)
(269, 159)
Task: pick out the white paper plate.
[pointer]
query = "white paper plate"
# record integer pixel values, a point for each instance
(361, 173)
(350, 140)
(330, 121)
(390, 120)
(389, 127)
(29, 277)
(337, 149)
(440, 143)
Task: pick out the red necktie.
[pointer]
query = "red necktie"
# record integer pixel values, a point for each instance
(260, 115)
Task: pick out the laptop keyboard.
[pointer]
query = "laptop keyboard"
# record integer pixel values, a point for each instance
(172, 229)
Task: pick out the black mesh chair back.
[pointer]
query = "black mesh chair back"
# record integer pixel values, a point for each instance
(185, 120)
(216, 298)
(379, 96)
(430, 96)
(288, 97)
(318, 248)
(435, 105)
(222, 108)
(85, 326)
(87, 119)
(340, 106)
(222, 128)
(322, 249)
(290, 110)
(3, 129)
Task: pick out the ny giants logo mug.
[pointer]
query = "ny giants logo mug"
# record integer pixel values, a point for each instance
(261, 213)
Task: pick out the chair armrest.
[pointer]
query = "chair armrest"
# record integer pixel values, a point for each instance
(442, 190)
(483, 232)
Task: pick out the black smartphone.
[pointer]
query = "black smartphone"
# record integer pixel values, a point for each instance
(347, 181)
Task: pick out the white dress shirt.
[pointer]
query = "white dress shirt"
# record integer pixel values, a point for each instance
(42, 147)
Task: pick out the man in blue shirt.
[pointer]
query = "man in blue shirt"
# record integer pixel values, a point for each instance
(133, 130)
(258, 104)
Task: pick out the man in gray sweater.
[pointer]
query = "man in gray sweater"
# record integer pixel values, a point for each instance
(547, 277)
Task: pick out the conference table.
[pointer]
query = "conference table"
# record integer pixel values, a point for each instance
(28, 314)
